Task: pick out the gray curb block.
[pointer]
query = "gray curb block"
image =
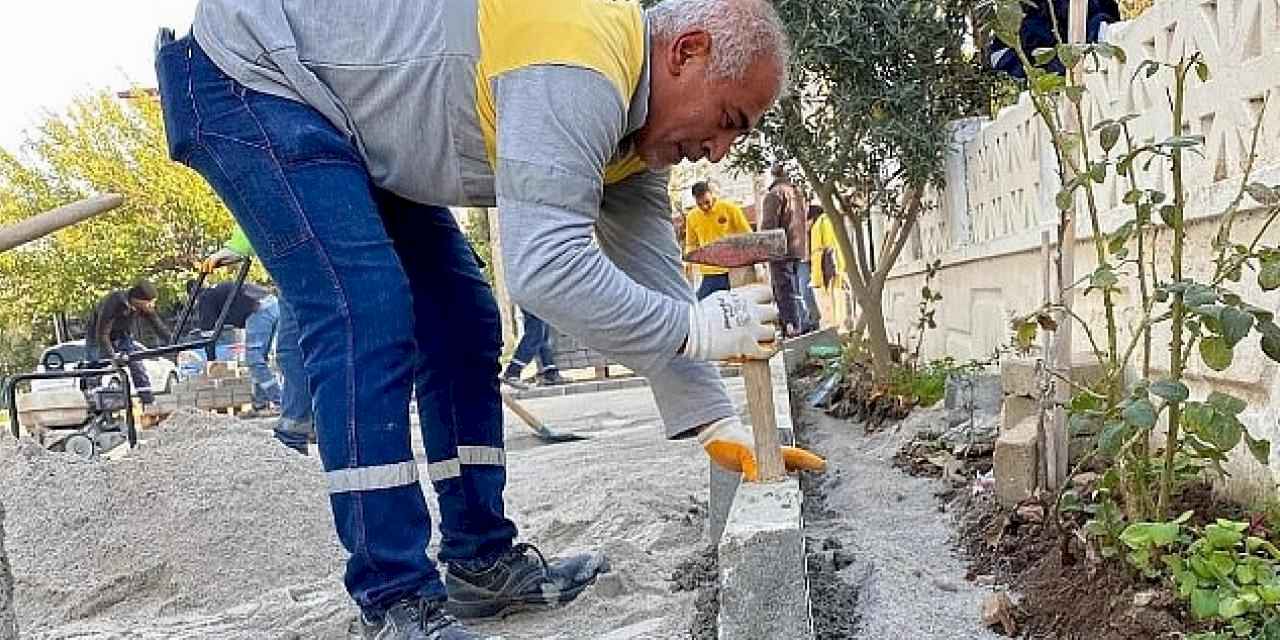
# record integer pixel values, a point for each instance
(759, 533)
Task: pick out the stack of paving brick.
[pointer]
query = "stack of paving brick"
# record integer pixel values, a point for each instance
(571, 354)
(224, 385)
(1017, 458)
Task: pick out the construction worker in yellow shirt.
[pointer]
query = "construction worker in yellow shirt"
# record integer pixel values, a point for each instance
(709, 221)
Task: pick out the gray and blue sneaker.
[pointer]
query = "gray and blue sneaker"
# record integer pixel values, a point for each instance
(416, 619)
(519, 580)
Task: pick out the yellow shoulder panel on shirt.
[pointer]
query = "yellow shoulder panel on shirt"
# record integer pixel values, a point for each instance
(606, 36)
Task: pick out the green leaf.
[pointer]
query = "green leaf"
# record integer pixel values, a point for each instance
(1230, 607)
(1069, 55)
(1259, 447)
(1044, 55)
(1202, 70)
(1270, 342)
(1204, 603)
(1140, 413)
(1104, 278)
(1182, 142)
(1112, 437)
(1226, 403)
(1098, 172)
(1235, 325)
(1269, 274)
(1225, 432)
(1075, 94)
(1196, 295)
(1146, 534)
(1132, 196)
(1025, 334)
(1262, 193)
(1222, 537)
(1048, 83)
(1065, 199)
(1216, 353)
(1169, 214)
(1170, 390)
(1245, 574)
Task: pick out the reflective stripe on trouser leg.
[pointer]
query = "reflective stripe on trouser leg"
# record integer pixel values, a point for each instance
(452, 467)
(383, 476)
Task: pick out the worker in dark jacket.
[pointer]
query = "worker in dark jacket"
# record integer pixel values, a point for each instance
(785, 208)
(256, 310)
(113, 324)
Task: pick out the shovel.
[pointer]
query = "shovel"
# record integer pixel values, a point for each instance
(540, 430)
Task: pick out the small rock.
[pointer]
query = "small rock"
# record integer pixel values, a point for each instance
(610, 585)
(1031, 513)
(997, 609)
(945, 585)
(1144, 598)
(985, 579)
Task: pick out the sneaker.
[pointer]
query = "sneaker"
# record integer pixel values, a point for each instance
(415, 619)
(551, 377)
(520, 579)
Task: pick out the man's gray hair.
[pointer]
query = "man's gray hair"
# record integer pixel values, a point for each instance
(742, 32)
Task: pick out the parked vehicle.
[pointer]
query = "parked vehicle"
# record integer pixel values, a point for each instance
(162, 371)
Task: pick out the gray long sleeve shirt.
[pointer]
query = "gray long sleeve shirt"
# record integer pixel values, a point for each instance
(487, 102)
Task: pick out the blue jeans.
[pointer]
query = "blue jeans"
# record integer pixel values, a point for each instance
(536, 341)
(810, 301)
(259, 333)
(296, 425)
(389, 300)
(713, 283)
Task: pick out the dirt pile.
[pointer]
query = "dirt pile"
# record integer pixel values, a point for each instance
(209, 514)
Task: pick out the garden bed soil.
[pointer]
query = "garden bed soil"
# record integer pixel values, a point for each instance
(1082, 598)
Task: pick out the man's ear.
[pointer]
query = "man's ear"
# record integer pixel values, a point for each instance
(687, 47)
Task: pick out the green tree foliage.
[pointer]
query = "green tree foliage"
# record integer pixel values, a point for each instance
(101, 143)
(874, 85)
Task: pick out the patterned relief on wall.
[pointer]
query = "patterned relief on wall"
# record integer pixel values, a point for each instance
(1007, 190)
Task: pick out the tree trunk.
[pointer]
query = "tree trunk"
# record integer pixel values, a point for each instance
(877, 334)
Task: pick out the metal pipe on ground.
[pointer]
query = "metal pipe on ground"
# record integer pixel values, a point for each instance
(42, 224)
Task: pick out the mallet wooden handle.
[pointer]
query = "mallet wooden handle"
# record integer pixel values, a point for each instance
(759, 385)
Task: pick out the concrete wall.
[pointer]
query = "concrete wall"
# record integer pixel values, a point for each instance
(986, 226)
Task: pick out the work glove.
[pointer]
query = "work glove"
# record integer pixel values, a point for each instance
(219, 258)
(732, 324)
(730, 444)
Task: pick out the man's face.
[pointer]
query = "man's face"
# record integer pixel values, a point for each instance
(706, 201)
(142, 305)
(692, 117)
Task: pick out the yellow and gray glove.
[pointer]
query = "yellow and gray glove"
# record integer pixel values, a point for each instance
(730, 444)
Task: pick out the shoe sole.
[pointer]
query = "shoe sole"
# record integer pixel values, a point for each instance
(503, 608)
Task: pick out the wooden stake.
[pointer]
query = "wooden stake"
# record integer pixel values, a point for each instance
(759, 385)
(1058, 445)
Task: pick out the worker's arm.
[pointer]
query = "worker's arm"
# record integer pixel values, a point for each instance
(108, 311)
(691, 240)
(771, 212)
(236, 249)
(634, 231)
(557, 128)
(737, 220)
(157, 325)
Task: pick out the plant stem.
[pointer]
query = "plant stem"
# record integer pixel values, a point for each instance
(1176, 361)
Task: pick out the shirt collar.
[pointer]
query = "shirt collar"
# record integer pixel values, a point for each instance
(638, 110)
